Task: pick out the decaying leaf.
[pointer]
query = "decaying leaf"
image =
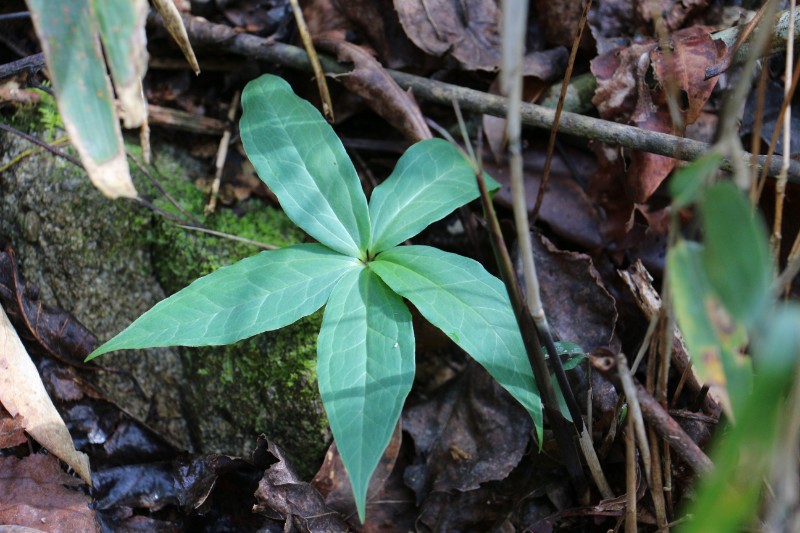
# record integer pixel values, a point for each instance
(624, 95)
(578, 306)
(172, 20)
(22, 393)
(53, 331)
(471, 432)
(69, 37)
(468, 30)
(370, 81)
(388, 499)
(283, 493)
(36, 493)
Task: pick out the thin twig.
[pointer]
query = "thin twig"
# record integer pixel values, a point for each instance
(780, 184)
(773, 143)
(635, 412)
(144, 170)
(26, 64)
(222, 154)
(630, 476)
(551, 143)
(743, 36)
(563, 433)
(230, 237)
(38, 142)
(319, 75)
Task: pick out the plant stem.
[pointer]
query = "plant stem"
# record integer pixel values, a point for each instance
(533, 347)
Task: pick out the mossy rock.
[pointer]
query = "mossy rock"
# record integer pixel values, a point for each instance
(107, 262)
(265, 384)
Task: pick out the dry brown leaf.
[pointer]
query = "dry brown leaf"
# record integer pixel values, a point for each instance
(22, 393)
(674, 13)
(36, 493)
(469, 30)
(692, 51)
(370, 81)
(624, 95)
(172, 20)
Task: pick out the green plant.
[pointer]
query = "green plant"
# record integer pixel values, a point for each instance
(365, 349)
(725, 304)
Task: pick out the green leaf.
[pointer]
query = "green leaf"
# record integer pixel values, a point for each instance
(68, 33)
(263, 292)
(736, 254)
(713, 337)
(365, 357)
(430, 180)
(729, 496)
(687, 183)
(471, 306)
(297, 154)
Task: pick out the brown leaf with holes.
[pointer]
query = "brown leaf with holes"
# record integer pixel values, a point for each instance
(370, 81)
(624, 95)
(468, 30)
(692, 51)
(35, 492)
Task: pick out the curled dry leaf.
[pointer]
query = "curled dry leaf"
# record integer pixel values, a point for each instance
(468, 30)
(172, 20)
(22, 393)
(281, 491)
(53, 331)
(370, 81)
